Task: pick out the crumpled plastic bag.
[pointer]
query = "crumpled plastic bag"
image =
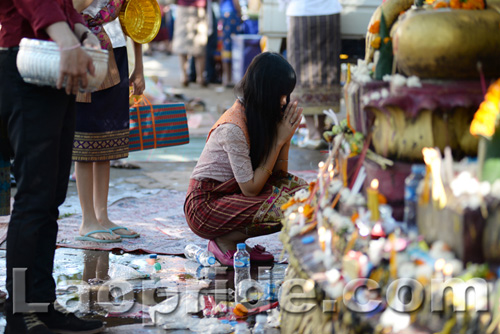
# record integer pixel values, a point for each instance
(176, 311)
(212, 326)
(154, 91)
(120, 271)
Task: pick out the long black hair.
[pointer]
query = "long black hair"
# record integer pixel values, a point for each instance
(266, 80)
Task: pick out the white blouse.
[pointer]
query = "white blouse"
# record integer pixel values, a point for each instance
(226, 155)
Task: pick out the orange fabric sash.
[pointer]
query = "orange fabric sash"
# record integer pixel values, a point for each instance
(234, 115)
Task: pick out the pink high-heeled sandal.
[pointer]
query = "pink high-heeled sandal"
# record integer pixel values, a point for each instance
(226, 259)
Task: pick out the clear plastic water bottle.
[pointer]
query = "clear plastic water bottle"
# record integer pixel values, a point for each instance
(197, 270)
(260, 325)
(411, 196)
(202, 256)
(241, 328)
(241, 271)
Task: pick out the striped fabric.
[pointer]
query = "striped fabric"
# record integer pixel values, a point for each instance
(155, 126)
(214, 208)
(313, 49)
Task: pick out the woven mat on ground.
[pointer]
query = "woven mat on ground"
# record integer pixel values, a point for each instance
(159, 219)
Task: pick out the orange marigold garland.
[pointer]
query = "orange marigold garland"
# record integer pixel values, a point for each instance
(376, 42)
(375, 27)
(467, 4)
(473, 4)
(485, 119)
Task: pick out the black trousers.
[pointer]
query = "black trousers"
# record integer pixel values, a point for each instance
(39, 123)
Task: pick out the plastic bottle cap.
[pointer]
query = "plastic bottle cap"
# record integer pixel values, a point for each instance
(157, 266)
(211, 260)
(153, 256)
(241, 246)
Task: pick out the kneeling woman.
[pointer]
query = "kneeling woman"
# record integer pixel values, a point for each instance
(241, 179)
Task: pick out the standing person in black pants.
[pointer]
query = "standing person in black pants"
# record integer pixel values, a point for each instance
(38, 124)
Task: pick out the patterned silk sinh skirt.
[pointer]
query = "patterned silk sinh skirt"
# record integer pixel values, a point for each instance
(214, 208)
(313, 49)
(102, 126)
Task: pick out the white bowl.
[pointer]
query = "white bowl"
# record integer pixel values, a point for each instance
(38, 63)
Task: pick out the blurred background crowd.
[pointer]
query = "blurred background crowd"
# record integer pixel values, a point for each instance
(200, 33)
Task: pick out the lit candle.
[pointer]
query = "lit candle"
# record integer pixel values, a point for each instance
(322, 237)
(432, 158)
(372, 194)
(438, 267)
(302, 219)
(292, 217)
(320, 176)
(448, 271)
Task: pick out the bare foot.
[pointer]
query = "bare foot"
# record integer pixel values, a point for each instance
(107, 224)
(89, 226)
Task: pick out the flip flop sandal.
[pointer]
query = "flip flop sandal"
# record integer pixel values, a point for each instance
(124, 165)
(129, 236)
(87, 237)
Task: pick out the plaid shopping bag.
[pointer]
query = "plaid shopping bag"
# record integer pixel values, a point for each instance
(160, 125)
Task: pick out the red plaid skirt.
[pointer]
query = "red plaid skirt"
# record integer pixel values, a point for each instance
(214, 208)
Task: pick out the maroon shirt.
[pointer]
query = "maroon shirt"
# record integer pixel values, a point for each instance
(29, 18)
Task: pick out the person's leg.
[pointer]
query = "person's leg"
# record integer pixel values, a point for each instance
(320, 126)
(96, 265)
(40, 131)
(184, 68)
(101, 190)
(227, 78)
(313, 132)
(85, 183)
(200, 69)
(35, 131)
(315, 128)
